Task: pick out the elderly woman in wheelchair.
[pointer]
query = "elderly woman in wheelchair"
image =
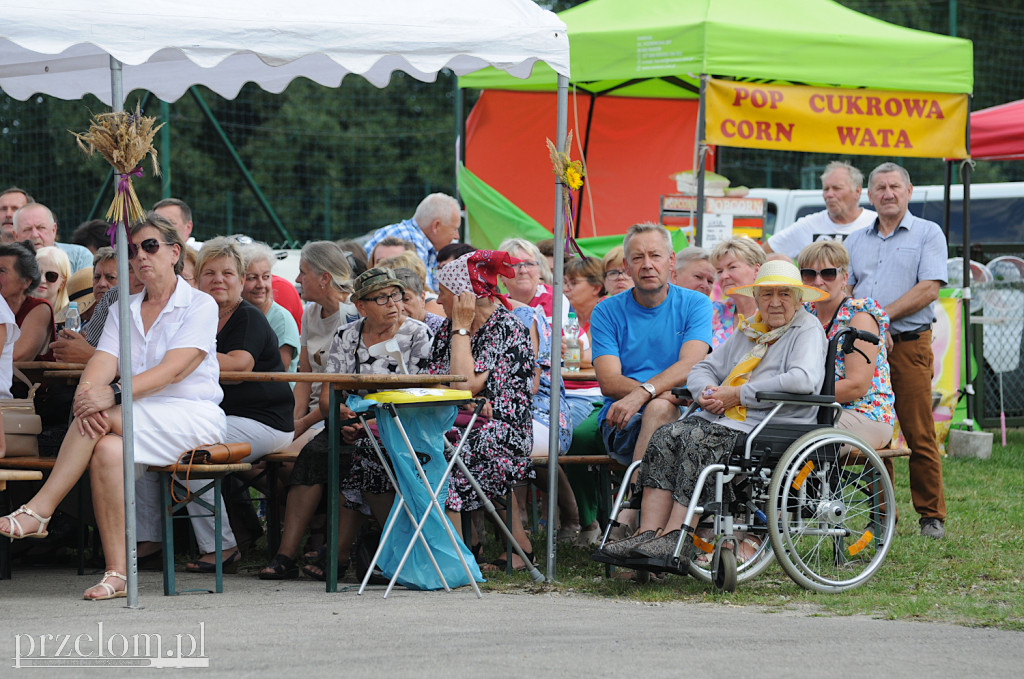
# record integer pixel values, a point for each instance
(770, 370)
(781, 349)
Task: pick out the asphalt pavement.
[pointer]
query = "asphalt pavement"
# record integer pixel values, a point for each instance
(294, 628)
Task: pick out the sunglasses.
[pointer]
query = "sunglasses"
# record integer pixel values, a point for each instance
(827, 275)
(51, 276)
(150, 245)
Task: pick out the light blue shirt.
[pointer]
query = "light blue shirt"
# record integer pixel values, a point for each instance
(885, 268)
(79, 256)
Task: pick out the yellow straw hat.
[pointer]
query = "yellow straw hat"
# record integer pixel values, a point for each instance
(777, 273)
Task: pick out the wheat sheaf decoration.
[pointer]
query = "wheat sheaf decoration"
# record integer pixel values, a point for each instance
(570, 174)
(124, 139)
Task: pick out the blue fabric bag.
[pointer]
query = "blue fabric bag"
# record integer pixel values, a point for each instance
(425, 426)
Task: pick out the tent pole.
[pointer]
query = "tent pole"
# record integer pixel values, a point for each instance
(965, 175)
(460, 147)
(125, 366)
(586, 154)
(698, 229)
(947, 184)
(556, 334)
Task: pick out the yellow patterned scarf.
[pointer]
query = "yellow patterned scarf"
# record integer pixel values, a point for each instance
(763, 338)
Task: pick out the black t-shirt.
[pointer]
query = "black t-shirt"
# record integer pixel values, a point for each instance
(269, 403)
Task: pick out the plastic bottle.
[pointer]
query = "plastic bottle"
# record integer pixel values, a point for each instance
(72, 321)
(572, 344)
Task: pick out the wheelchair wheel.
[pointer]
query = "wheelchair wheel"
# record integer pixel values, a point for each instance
(831, 513)
(750, 568)
(725, 569)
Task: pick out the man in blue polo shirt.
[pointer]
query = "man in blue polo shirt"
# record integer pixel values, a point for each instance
(645, 342)
(900, 262)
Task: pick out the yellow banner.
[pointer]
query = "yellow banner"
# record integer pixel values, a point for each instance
(833, 120)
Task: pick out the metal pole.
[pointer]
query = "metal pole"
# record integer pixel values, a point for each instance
(460, 149)
(947, 185)
(556, 334)
(965, 175)
(698, 229)
(125, 366)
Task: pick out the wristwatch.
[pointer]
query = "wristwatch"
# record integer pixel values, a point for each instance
(650, 389)
(117, 393)
(462, 331)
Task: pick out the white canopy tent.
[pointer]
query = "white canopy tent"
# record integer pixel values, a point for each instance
(67, 48)
(62, 47)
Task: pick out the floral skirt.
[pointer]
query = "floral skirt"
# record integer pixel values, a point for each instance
(679, 452)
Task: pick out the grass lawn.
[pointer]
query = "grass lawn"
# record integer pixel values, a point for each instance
(973, 577)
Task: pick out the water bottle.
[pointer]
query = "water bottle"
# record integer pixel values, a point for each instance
(72, 321)
(572, 345)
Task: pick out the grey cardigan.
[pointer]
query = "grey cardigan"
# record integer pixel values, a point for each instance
(794, 364)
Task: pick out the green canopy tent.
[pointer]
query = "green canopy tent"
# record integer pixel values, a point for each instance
(667, 50)
(659, 50)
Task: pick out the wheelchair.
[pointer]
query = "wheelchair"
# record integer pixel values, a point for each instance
(817, 499)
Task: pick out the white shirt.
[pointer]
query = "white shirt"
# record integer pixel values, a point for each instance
(316, 336)
(7, 355)
(814, 227)
(189, 320)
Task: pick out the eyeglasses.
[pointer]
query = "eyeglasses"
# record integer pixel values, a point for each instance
(828, 275)
(519, 266)
(615, 273)
(150, 245)
(51, 276)
(395, 297)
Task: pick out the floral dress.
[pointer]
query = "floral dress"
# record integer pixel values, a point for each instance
(497, 453)
(723, 320)
(542, 399)
(879, 403)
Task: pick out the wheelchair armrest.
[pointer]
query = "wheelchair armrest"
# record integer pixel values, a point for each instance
(681, 392)
(797, 399)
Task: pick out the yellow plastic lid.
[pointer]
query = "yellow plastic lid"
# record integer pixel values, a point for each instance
(420, 395)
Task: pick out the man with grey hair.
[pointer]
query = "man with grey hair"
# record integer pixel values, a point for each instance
(35, 222)
(434, 225)
(900, 262)
(841, 186)
(645, 341)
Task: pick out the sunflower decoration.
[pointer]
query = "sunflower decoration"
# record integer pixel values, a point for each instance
(124, 139)
(570, 174)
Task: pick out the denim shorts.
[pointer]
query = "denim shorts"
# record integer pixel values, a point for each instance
(621, 442)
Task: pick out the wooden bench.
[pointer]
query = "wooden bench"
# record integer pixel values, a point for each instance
(175, 475)
(39, 468)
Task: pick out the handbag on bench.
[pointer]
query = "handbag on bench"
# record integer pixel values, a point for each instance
(22, 425)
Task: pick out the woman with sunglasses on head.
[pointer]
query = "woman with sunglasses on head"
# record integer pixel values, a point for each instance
(20, 275)
(863, 384)
(176, 395)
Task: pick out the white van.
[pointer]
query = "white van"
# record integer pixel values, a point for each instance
(997, 210)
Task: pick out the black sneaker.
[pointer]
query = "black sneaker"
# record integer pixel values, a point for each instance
(932, 528)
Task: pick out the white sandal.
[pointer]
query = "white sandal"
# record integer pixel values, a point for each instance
(111, 592)
(17, 532)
